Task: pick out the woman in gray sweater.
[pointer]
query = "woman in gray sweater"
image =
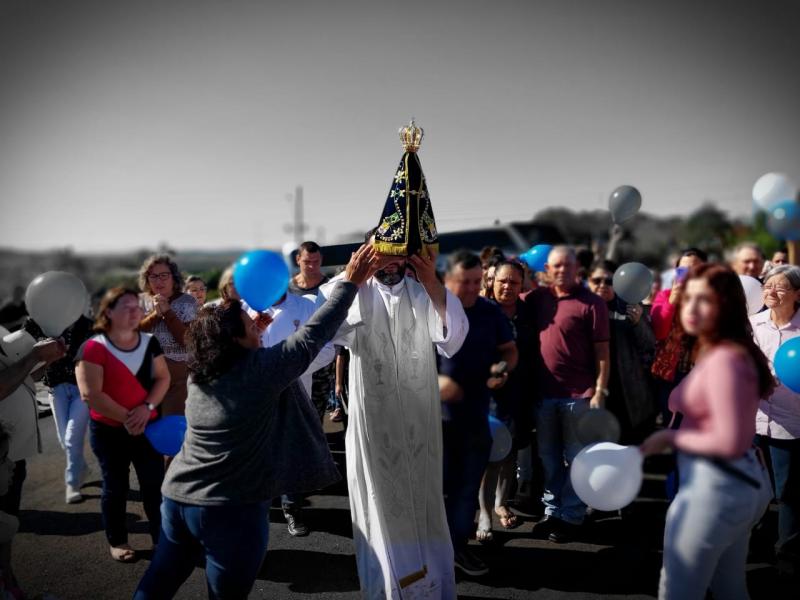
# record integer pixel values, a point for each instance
(252, 434)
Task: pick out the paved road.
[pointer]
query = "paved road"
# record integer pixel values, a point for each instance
(61, 549)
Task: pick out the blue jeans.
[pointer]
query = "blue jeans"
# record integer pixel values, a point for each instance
(71, 416)
(466, 455)
(559, 444)
(784, 457)
(231, 541)
(116, 449)
(707, 530)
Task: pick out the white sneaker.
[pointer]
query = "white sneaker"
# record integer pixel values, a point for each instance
(73, 495)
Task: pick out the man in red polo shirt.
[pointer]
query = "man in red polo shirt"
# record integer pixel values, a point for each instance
(572, 372)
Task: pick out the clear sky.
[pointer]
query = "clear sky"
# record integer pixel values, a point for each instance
(124, 124)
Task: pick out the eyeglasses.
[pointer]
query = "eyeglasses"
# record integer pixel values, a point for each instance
(159, 276)
(778, 290)
(598, 280)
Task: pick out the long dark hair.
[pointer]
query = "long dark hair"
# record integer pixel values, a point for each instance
(210, 341)
(733, 324)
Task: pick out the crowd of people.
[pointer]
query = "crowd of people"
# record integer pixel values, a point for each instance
(418, 361)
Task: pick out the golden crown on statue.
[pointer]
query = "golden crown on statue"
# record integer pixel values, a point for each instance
(411, 136)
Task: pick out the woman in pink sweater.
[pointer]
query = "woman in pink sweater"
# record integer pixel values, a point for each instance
(724, 488)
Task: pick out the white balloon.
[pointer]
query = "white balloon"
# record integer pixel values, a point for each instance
(501, 440)
(55, 300)
(18, 344)
(607, 476)
(772, 188)
(752, 293)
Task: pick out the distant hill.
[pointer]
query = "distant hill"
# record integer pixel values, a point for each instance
(101, 270)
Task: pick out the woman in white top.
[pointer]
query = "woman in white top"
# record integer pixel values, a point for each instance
(778, 417)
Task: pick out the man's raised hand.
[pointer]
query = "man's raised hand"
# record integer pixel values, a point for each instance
(425, 267)
(363, 264)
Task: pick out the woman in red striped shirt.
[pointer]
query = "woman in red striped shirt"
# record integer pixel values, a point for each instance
(123, 376)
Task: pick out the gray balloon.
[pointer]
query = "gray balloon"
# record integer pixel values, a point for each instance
(632, 282)
(624, 203)
(597, 425)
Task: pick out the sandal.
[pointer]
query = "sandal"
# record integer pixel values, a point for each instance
(508, 520)
(123, 553)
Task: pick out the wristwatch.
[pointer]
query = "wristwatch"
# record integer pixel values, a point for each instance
(150, 406)
(604, 391)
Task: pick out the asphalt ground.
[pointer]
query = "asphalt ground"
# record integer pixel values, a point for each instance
(61, 549)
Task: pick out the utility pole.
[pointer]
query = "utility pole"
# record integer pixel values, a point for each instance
(297, 228)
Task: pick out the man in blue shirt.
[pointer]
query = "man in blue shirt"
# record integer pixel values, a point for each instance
(465, 382)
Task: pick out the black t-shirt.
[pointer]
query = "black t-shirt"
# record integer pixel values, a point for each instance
(488, 328)
(300, 291)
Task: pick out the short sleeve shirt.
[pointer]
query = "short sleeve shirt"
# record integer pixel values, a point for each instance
(469, 367)
(127, 374)
(301, 291)
(185, 307)
(568, 328)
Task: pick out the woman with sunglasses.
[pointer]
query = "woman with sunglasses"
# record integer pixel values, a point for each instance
(724, 488)
(778, 417)
(630, 398)
(168, 311)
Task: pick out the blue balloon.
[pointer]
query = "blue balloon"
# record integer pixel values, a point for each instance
(536, 257)
(787, 364)
(783, 220)
(261, 277)
(166, 434)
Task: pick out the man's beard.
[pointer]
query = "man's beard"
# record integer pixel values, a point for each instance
(390, 279)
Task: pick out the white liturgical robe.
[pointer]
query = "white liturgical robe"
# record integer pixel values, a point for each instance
(394, 439)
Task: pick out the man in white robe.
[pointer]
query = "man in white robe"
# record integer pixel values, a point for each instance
(394, 436)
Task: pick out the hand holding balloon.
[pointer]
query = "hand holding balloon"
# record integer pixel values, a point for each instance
(658, 442)
(262, 321)
(634, 312)
(48, 351)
